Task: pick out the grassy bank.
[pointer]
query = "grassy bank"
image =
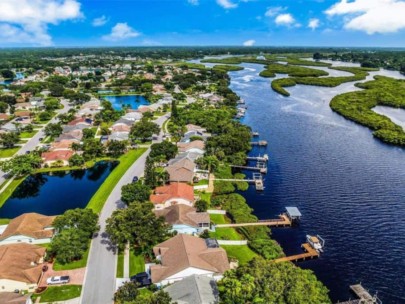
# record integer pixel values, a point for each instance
(8, 152)
(242, 253)
(136, 263)
(99, 198)
(59, 293)
(291, 70)
(10, 189)
(120, 265)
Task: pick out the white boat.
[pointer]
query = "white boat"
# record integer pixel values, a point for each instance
(316, 242)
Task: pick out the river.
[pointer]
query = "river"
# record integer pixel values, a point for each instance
(348, 185)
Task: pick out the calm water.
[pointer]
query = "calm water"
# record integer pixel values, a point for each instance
(54, 194)
(132, 101)
(349, 186)
(18, 75)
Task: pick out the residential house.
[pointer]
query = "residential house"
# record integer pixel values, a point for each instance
(65, 144)
(76, 135)
(20, 266)
(51, 157)
(132, 116)
(192, 156)
(31, 228)
(192, 146)
(194, 289)
(81, 121)
(185, 219)
(182, 171)
(173, 194)
(119, 136)
(15, 298)
(120, 127)
(185, 255)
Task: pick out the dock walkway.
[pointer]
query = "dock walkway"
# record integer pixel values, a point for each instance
(283, 221)
(364, 296)
(309, 253)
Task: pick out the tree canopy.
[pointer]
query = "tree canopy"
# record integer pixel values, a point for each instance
(135, 192)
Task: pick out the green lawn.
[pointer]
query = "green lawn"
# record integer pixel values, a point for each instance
(136, 263)
(4, 221)
(99, 198)
(241, 252)
(10, 189)
(59, 293)
(202, 182)
(27, 134)
(226, 234)
(120, 265)
(8, 152)
(204, 196)
(73, 265)
(218, 219)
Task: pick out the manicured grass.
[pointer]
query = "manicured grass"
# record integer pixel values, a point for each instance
(8, 152)
(120, 265)
(99, 198)
(202, 182)
(136, 263)
(226, 233)
(205, 196)
(74, 265)
(59, 293)
(28, 134)
(9, 190)
(241, 252)
(87, 165)
(4, 221)
(218, 219)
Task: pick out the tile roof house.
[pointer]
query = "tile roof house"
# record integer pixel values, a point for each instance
(53, 156)
(15, 298)
(192, 156)
(173, 194)
(193, 146)
(20, 266)
(185, 219)
(65, 144)
(181, 171)
(185, 255)
(120, 128)
(80, 121)
(194, 290)
(31, 228)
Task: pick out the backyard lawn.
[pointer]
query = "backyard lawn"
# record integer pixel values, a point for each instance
(226, 234)
(4, 221)
(99, 198)
(8, 152)
(27, 134)
(240, 252)
(59, 293)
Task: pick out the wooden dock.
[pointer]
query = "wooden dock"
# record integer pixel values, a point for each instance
(309, 253)
(364, 296)
(282, 221)
(264, 158)
(262, 143)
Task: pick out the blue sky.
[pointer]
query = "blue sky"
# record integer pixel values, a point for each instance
(202, 22)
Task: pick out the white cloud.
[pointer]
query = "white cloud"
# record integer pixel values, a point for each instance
(285, 19)
(371, 16)
(250, 42)
(121, 31)
(226, 4)
(100, 21)
(272, 11)
(313, 23)
(193, 2)
(26, 21)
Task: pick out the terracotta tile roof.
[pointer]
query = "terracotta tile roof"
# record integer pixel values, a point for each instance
(4, 116)
(120, 128)
(181, 171)
(172, 191)
(19, 262)
(196, 144)
(65, 144)
(57, 155)
(183, 214)
(14, 298)
(31, 225)
(184, 251)
(22, 113)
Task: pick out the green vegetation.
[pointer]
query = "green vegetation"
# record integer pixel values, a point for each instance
(219, 219)
(228, 68)
(9, 190)
(291, 70)
(136, 263)
(28, 134)
(357, 106)
(58, 293)
(242, 253)
(120, 265)
(4, 221)
(73, 265)
(278, 85)
(99, 198)
(8, 152)
(261, 281)
(129, 293)
(226, 233)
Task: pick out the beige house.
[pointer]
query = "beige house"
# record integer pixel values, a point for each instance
(173, 194)
(20, 266)
(185, 255)
(31, 228)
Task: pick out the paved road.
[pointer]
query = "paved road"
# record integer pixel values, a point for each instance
(99, 282)
(34, 141)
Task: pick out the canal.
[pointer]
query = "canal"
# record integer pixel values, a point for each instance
(54, 193)
(348, 185)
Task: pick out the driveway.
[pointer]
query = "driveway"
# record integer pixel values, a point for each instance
(76, 275)
(100, 281)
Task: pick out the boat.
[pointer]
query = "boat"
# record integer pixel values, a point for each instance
(316, 242)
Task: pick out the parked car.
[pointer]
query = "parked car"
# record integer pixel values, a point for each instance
(41, 139)
(141, 279)
(58, 280)
(135, 179)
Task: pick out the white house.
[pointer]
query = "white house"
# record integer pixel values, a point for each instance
(30, 228)
(185, 255)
